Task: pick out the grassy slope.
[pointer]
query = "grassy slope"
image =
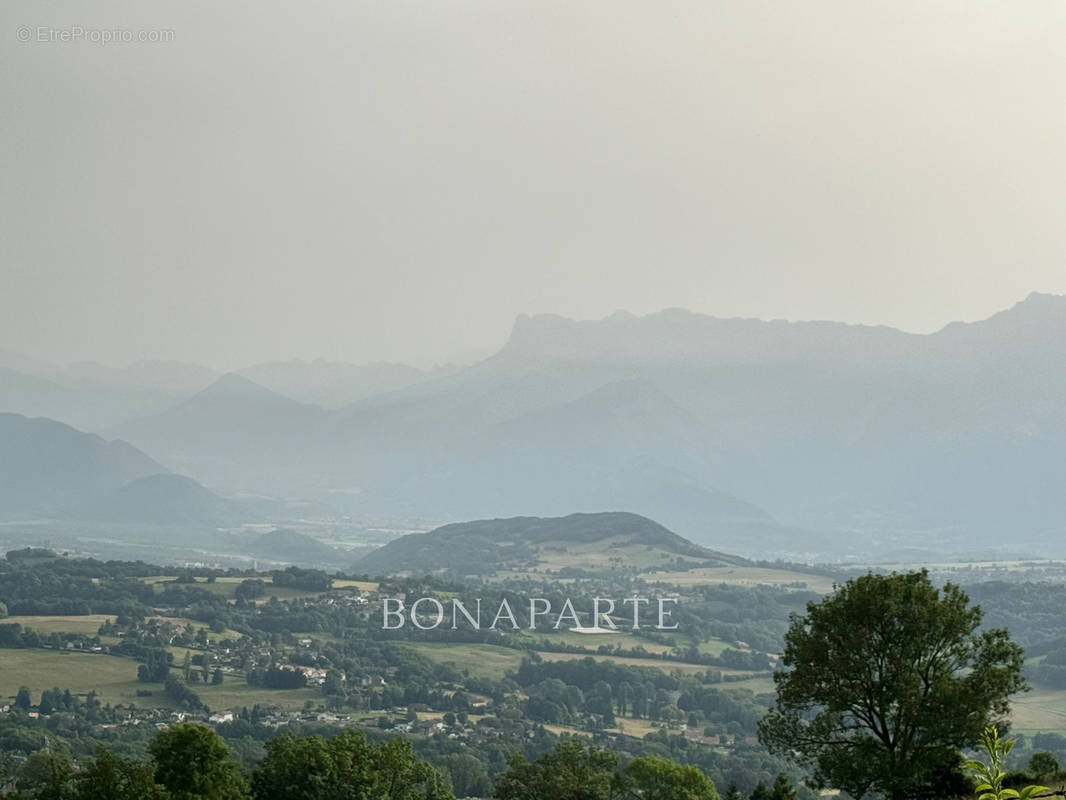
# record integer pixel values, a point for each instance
(1039, 711)
(481, 660)
(493, 661)
(86, 625)
(114, 679)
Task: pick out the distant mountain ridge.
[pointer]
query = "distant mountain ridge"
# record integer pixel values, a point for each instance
(805, 440)
(49, 467)
(232, 426)
(51, 470)
(174, 377)
(677, 335)
(91, 396)
(332, 384)
(764, 438)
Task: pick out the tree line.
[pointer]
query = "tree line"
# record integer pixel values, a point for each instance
(191, 762)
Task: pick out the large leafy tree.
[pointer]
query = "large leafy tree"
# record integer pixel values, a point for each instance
(111, 777)
(574, 770)
(193, 763)
(886, 680)
(578, 770)
(47, 774)
(654, 778)
(346, 767)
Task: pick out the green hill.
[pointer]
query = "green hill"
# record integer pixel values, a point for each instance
(590, 542)
(292, 547)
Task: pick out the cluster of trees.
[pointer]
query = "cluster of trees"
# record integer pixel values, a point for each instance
(1032, 612)
(12, 634)
(250, 589)
(156, 666)
(311, 580)
(1050, 671)
(578, 770)
(176, 689)
(755, 615)
(472, 765)
(191, 762)
(553, 701)
(275, 677)
(47, 584)
(561, 692)
(56, 699)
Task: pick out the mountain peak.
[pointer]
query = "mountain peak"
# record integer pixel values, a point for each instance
(231, 382)
(1044, 296)
(233, 388)
(331, 384)
(48, 465)
(1042, 302)
(1038, 320)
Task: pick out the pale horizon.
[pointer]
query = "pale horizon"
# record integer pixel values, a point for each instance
(472, 355)
(397, 182)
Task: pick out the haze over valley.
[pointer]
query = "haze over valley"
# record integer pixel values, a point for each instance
(806, 441)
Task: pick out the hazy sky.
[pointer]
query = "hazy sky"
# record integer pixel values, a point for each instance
(397, 180)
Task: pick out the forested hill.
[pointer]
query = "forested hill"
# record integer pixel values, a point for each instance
(584, 541)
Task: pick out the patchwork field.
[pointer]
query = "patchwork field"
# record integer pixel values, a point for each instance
(86, 625)
(114, 680)
(1039, 711)
(637, 728)
(1034, 712)
(480, 660)
(760, 685)
(654, 663)
(605, 553)
(592, 641)
(227, 587)
(1009, 564)
(493, 661)
(234, 693)
(709, 647)
(363, 586)
(742, 576)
